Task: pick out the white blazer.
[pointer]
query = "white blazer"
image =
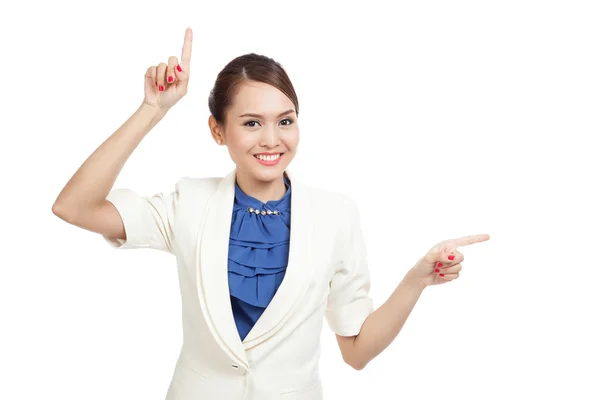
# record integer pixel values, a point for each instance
(327, 276)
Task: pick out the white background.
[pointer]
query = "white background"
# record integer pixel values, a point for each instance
(441, 119)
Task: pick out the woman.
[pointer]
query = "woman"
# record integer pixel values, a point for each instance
(261, 256)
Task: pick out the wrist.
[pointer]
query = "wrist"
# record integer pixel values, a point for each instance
(414, 281)
(151, 111)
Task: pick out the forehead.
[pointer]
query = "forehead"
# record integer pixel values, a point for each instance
(259, 97)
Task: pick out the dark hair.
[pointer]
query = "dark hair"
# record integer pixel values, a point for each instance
(249, 67)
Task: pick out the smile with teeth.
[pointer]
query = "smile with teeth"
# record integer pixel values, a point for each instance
(269, 158)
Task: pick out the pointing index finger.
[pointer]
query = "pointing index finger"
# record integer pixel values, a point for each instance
(186, 52)
(466, 240)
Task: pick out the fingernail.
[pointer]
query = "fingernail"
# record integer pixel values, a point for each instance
(441, 274)
(170, 79)
(156, 83)
(161, 88)
(451, 257)
(437, 270)
(178, 68)
(439, 264)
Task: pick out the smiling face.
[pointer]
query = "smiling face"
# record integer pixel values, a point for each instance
(261, 131)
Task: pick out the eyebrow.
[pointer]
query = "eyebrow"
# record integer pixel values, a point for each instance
(260, 116)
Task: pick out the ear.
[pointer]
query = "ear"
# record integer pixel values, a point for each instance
(215, 130)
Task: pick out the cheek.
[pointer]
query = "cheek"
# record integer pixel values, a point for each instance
(291, 141)
(240, 143)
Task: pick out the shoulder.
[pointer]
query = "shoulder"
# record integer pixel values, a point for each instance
(328, 197)
(193, 191)
(334, 203)
(198, 184)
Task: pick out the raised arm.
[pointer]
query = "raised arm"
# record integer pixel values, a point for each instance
(82, 201)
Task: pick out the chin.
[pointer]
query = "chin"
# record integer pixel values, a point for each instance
(265, 173)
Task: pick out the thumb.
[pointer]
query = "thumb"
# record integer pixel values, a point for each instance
(182, 75)
(439, 256)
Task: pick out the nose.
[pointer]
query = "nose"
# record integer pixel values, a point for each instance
(270, 137)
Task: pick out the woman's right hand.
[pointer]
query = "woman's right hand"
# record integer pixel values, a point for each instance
(166, 84)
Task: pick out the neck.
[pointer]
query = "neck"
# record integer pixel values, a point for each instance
(262, 190)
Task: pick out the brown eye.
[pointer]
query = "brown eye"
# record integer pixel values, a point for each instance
(254, 121)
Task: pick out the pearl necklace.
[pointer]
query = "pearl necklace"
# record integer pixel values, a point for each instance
(263, 212)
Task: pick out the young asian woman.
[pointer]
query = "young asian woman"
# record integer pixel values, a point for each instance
(263, 257)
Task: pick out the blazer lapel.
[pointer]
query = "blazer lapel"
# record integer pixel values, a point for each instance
(298, 271)
(212, 251)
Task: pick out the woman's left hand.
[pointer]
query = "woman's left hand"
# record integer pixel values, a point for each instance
(443, 262)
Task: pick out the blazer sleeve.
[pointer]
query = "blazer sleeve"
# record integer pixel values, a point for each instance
(349, 303)
(149, 221)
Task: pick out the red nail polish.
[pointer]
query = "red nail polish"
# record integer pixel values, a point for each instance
(437, 270)
(170, 79)
(161, 88)
(451, 257)
(178, 68)
(439, 264)
(156, 83)
(441, 274)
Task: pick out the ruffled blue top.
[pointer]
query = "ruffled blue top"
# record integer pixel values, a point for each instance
(258, 255)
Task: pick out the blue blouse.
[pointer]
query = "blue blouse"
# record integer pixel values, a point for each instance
(258, 255)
